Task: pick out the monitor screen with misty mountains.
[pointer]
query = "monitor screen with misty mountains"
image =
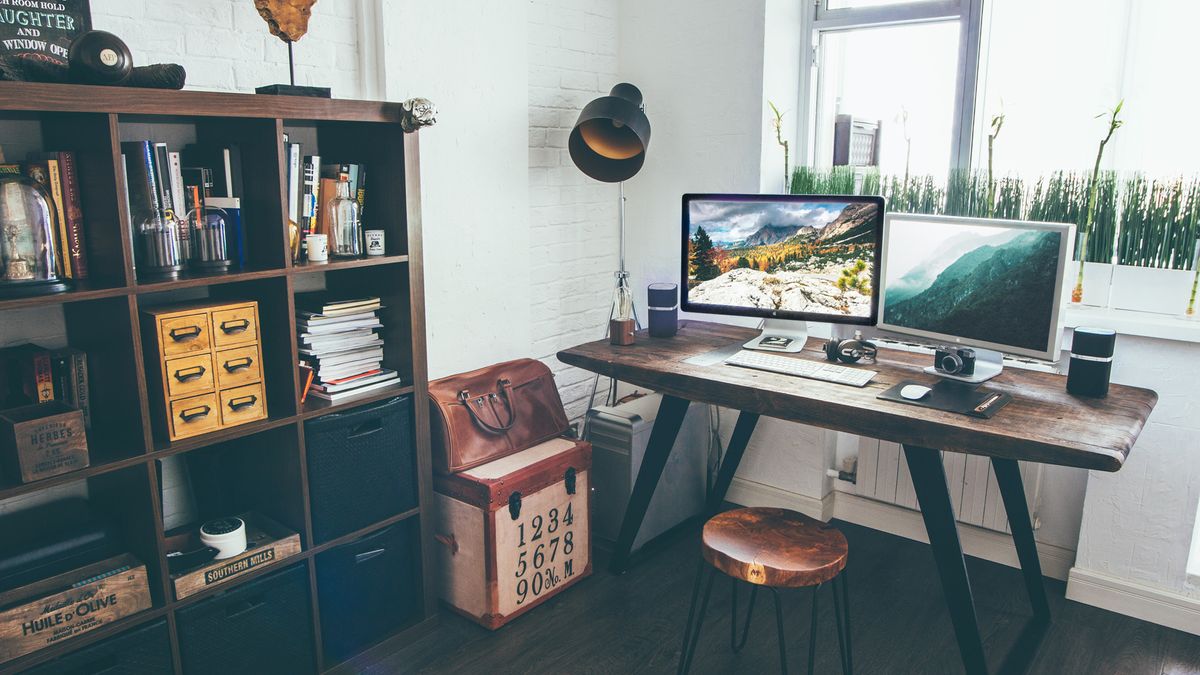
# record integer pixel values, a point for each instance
(787, 256)
(979, 281)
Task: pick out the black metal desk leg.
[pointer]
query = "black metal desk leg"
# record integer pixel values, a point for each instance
(929, 481)
(733, 456)
(662, 437)
(1012, 491)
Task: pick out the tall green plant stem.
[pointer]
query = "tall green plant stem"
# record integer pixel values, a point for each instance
(1191, 310)
(1114, 123)
(778, 123)
(997, 125)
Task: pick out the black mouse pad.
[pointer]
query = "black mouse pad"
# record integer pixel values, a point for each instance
(955, 397)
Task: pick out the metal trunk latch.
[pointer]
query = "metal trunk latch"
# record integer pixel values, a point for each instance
(569, 479)
(514, 505)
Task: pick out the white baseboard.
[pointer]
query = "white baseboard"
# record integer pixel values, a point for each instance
(978, 542)
(1132, 599)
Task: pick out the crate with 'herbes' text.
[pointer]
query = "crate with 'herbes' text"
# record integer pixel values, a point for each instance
(515, 531)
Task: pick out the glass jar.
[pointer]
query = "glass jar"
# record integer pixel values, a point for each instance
(209, 247)
(161, 255)
(29, 264)
(345, 229)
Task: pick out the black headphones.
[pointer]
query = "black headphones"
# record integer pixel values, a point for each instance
(852, 350)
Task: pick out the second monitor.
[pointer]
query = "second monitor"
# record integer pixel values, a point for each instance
(788, 259)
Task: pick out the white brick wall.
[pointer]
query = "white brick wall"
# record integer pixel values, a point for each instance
(225, 45)
(573, 219)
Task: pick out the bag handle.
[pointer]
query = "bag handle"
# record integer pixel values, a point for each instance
(464, 396)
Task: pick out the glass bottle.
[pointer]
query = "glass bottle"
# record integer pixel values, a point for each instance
(345, 229)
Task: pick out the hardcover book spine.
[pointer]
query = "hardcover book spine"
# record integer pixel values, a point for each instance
(294, 191)
(43, 376)
(143, 190)
(61, 364)
(82, 397)
(162, 174)
(73, 205)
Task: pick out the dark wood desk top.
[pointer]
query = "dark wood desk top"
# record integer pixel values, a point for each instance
(1043, 423)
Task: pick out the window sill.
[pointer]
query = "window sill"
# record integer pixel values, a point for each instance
(1127, 322)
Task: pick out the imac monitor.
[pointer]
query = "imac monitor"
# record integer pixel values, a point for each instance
(992, 284)
(783, 257)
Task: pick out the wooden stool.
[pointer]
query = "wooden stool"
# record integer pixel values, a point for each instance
(775, 548)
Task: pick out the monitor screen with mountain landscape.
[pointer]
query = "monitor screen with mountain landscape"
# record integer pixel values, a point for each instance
(787, 256)
(990, 283)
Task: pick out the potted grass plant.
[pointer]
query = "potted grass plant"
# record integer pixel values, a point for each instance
(1157, 244)
(1063, 197)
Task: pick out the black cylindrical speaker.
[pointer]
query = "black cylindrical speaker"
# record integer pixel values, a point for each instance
(1091, 362)
(663, 302)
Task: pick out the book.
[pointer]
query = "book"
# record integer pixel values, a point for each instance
(334, 397)
(341, 347)
(69, 370)
(199, 175)
(162, 173)
(357, 381)
(293, 182)
(349, 356)
(46, 172)
(142, 183)
(69, 169)
(311, 194)
(327, 329)
(224, 164)
(27, 376)
(175, 172)
(325, 194)
(319, 302)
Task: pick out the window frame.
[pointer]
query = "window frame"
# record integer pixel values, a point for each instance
(822, 20)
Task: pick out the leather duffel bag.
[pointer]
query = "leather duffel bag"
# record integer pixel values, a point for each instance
(495, 411)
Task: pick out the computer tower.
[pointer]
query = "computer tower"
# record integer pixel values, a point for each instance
(619, 435)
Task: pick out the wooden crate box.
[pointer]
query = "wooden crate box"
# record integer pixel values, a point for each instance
(515, 531)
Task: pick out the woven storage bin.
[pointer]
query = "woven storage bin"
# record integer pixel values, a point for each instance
(262, 626)
(146, 649)
(361, 467)
(367, 589)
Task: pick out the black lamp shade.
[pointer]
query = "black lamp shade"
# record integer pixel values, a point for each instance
(610, 138)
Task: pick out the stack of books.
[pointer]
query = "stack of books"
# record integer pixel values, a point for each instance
(340, 347)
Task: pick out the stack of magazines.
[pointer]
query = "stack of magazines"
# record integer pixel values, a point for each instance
(341, 347)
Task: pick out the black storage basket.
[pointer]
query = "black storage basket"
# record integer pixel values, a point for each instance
(367, 589)
(140, 651)
(361, 467)
(262, 626)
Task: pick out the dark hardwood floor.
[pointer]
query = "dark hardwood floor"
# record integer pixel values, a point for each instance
(634, 623)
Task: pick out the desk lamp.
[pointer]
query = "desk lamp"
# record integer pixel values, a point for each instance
(608, 143)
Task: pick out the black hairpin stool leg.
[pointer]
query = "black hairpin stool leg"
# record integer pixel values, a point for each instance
(735, 644)
(841, 611)
(692, 635)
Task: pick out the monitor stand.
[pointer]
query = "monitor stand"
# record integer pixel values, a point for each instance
(780, 335)
(988, 364)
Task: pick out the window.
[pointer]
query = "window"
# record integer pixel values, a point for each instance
(914, 93)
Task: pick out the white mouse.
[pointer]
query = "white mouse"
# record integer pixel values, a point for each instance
(914, 392)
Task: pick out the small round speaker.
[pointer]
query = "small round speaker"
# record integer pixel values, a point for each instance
(663, 302)
(99, 57)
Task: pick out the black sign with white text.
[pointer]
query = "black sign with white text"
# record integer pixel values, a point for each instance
(41, 29)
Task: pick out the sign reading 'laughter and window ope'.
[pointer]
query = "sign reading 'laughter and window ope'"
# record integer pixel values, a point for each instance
(41, 29)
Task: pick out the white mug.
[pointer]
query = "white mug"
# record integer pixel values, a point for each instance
(318, 247)
(374, 242)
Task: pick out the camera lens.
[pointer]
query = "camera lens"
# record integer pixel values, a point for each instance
(951, 363)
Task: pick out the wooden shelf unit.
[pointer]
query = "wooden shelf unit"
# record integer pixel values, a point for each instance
(101, 314)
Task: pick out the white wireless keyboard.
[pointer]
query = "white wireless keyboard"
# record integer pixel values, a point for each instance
(814, 370)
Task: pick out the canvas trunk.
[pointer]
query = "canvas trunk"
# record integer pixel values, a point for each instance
(514, 531)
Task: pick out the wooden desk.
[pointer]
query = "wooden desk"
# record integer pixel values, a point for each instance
(1043, 423)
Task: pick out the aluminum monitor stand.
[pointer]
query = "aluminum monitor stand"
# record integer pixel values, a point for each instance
(780, 335)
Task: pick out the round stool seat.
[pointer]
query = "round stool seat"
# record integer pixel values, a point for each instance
(774, 547)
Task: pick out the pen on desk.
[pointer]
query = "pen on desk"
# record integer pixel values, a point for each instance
(987, 402)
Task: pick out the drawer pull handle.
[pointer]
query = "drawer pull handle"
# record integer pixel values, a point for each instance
(242, 402)
(189, 415)
(235, 326)
(190, 374)
(367, 428)
(184, 334)
(364, 557)
(238, 364)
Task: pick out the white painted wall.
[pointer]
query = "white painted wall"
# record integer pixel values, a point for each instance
(470, 59)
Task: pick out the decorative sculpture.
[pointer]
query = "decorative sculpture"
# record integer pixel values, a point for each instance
(288, 21)
(417, 113)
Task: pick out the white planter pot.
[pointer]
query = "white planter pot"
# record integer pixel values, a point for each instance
(1097, 282)
(1149, 289)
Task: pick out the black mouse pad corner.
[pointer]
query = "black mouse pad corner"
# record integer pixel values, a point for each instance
(955, 397)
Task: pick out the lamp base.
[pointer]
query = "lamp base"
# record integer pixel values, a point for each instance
(294, 90)
(28, 289)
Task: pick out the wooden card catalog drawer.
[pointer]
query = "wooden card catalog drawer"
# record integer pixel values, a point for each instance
(242, 404)
(194, 415)
(204, 366)
(235, 326)
(238, 366)
(189, 375)
(187, 334)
